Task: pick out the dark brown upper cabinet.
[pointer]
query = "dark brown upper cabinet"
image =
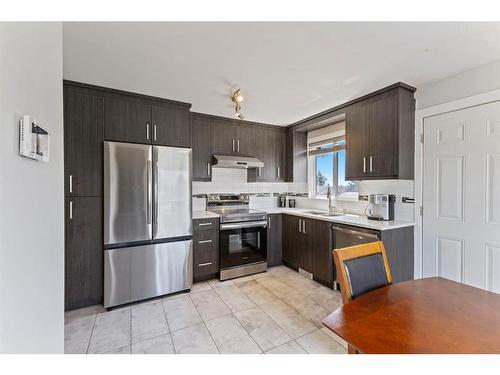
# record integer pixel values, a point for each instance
(247, 138)
(358, 139)
(223, 137)
(83, 136)
(127, 119)
(202, 150)
(171, 125)
(380, 136)
(296, 156)
(139, 120)
(268, 148)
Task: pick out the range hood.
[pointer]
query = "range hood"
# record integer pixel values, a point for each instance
(232, 161)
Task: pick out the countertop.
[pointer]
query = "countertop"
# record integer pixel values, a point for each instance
(348, 219)
(204, 215)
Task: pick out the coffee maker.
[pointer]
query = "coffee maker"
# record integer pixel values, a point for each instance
(382, 206)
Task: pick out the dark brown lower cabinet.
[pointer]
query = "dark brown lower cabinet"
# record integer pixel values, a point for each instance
(205, 248)
(321, 246)
(292, 241)
(83, 252)
(399, 245)
(307, 244)
(274, 240)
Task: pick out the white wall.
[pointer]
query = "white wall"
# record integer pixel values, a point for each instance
(471, 82)
(31, 192)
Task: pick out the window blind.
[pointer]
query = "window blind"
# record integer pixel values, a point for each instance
(326, 146)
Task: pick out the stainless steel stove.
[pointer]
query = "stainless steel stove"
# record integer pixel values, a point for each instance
(242, 235)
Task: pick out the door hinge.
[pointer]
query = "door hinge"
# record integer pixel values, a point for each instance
(421, 210)
(422, 138)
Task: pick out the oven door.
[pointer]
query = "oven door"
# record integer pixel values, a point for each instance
(242, 243)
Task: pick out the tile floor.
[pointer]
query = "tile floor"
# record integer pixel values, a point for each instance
(278, 312)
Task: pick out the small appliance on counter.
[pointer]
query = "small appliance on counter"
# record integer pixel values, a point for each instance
(291, 203)
(381, 207)
(282, 201)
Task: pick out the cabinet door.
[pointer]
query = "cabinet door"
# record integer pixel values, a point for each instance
(127, 120)
(264, 150)
(305, 241)
(202, 153)
(279, 155)
(83, 252)
(247, 139)
(321, 246)
(291, 239)
(83, 136)
(223, 137)
(171, 126)
(296, 156)
(357, 131)
(383, 155)
(274, 240)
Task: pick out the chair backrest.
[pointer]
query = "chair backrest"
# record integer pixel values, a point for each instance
(361, 268)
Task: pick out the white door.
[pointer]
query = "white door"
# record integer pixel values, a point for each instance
(461, 196)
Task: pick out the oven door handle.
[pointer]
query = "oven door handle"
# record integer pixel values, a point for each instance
(248, 224)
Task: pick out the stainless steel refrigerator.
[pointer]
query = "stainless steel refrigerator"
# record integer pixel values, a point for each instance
(147, 221)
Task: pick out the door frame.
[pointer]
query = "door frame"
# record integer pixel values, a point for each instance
(420, 116)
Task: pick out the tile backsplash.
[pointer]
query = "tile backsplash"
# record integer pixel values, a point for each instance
(226, 180)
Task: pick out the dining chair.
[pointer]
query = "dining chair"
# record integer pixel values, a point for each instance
(361, 268)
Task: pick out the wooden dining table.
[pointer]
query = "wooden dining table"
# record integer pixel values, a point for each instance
(432, 316)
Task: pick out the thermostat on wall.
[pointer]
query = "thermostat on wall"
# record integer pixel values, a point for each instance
(33, 139)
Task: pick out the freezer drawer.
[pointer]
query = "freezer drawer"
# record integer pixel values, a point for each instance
(141, 272)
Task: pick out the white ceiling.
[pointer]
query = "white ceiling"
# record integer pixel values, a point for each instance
(286, 71)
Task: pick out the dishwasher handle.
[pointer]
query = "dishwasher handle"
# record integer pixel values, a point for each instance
(356, 233)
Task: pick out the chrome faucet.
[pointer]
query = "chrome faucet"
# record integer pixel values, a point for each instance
(331, 209)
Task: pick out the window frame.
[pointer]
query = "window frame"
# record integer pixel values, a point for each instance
(313, 177)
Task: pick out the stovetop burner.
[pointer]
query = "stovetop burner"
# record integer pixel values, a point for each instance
(233, 208)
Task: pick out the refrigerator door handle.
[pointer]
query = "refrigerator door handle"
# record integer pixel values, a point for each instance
(148, 192)
(155, 196)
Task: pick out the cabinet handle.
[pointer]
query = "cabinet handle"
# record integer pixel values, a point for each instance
(238, 145)
(147, 130)
(260, 171)
(278, 174)
(233, 145)
(364, 164)
(154, 132)
(204, 264)
(205, 241)
(71, 210)
(70, 183)
(204, 224)
(304, 227)
(269, 222)
(208, 169)
(300, 225)
(371, 163)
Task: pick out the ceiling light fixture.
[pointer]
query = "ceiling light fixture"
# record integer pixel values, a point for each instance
(237, 99)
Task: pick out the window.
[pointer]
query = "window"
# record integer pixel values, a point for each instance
(328, 159)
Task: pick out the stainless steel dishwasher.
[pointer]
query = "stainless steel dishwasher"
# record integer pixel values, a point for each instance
(347, 235)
